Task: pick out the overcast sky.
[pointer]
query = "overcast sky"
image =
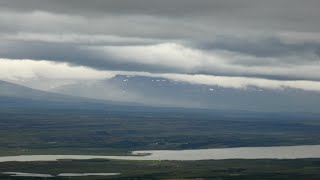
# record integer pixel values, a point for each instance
(230, 43)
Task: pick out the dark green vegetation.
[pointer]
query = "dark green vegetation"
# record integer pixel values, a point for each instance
(227, 169)
(37, 122)
(33, 122)
(70, 131)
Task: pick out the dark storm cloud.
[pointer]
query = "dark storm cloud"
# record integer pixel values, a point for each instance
(293, 14)
(267, 46)
(169, 7)
(94, 7)
(169, 18)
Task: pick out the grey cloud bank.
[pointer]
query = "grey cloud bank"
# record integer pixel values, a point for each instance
(271, 44)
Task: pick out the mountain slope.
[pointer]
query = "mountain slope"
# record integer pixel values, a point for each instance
(13, 95)
(164, 92)
(18, 96)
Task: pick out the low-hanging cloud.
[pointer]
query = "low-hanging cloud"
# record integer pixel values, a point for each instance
(30, 69)
(182, 59)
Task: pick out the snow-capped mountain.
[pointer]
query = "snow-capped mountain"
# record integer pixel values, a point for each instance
(165, 92)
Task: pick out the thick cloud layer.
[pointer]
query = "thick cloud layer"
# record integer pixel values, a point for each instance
(271, 44)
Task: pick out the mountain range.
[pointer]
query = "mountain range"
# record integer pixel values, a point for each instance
(139, 91)
(169, 93)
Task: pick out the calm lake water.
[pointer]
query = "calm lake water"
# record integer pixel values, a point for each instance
(87, 174)
(278, 152)
(20, 174)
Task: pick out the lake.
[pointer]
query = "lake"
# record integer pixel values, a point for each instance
(20, 174)
(277, 152)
